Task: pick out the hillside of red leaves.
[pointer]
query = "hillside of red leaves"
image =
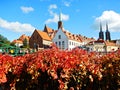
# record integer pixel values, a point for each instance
(53, 69)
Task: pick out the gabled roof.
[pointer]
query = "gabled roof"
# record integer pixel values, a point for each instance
(23, 37)
(48, 29)
(44, 35)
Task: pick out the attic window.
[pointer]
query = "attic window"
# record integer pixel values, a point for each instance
(59, 37)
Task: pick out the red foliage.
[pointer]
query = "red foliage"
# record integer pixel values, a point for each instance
(77, 66)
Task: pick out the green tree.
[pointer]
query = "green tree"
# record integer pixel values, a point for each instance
(25, 43)
(4, 40)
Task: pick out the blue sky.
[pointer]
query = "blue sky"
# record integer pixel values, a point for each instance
(19, 17)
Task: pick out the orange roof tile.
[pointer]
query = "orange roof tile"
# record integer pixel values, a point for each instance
(22, 37)
(44, 35)
(78, 38)
(48, 29)
(17, 41)
(110, 43)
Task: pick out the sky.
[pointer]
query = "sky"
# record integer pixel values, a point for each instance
(83, 17)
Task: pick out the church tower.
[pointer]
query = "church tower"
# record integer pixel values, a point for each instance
(101, 34)
(107, 33)
(60, 24)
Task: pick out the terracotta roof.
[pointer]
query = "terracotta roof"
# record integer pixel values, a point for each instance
(48, 29)
(17, 41)
(44, 35)
(22, 37)
(72, 36)
(52, 34)
(110, 43)
(99, 41)
(78, 38)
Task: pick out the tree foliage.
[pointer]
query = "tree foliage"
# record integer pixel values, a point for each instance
(53, 69)
(4, 40)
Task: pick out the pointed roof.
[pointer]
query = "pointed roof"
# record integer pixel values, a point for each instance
(100, 26)
(60, 16)
(106, 26)
(23, 37)
(44, 35)
(47, 29)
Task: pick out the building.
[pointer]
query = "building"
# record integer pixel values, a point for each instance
(107, 33)
(20, 41)
(66, 40)
(39, 39)
(102, 45)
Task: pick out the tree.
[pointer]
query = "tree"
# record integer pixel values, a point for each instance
(4, 40)
(25, 43)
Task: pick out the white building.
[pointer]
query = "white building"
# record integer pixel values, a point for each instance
(102, 46)
(66, 40)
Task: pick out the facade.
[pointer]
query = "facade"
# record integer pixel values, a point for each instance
(66, 40)
(102, 46)
(39, 39)
(18, 43)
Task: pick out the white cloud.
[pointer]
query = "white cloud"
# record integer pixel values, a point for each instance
(55, 16)
(16, 26)
(112, 18)
(67, 4)
(52, 6)
(26, 9)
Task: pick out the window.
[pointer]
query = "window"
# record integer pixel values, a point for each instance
(56, 43)
(59, 45)
(70, 43)
(63, 45)
(59, 37)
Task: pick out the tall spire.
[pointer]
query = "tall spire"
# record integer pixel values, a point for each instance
(100, 26)
(106, 26)
(60, 16)
(107, 33)
(60, 25)
(101, 34)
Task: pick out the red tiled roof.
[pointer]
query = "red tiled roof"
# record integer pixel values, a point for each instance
(48, 29)
(17, 41)
(23, 37)
(78, 38)
(110, 43)
(44, 35)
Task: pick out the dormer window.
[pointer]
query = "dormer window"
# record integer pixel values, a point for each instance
(59, 37)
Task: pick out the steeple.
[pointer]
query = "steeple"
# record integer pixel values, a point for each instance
(107, 33)
(101, 34)
(60, 25)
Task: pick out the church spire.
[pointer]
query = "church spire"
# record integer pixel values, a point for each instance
(60, 24)
(100, 26)
(101, 34)
(60, 16)
(107, 33)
